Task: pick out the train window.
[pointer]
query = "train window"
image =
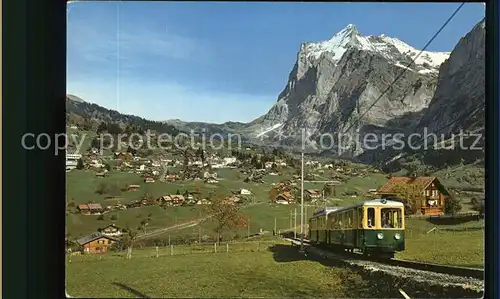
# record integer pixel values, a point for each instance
(371, 217)
(349, 219)
(360, 217)
(391, 218)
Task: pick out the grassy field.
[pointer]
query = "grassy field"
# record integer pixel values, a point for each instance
(82, 185)
(451, 243)
(265, 269)
(79, 225)
(465, 249)
(279, 272)
(470, 176)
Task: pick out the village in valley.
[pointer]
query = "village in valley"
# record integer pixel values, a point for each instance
(165, 197)
(128, 205)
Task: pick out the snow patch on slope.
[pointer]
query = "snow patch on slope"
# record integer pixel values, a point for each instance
(265, 131)
(434, 59)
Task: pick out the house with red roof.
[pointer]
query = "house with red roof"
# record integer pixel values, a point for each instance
(434, 193)
(90, 208)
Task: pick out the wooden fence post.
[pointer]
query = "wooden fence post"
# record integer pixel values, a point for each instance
(156, 251)
(215, 247)
(227, 247)
(171, 249)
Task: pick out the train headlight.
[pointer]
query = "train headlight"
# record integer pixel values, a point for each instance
(397, 236)
(380, 236)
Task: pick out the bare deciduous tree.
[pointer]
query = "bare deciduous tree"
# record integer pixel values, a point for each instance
(226, 215)
(128, 241)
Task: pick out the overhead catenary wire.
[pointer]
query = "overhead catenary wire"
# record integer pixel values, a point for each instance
(404, 69)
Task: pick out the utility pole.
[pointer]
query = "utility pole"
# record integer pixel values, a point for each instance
(295, 224)
(291, 219)
(275, 225)
(199, 228)
(302, 204)
(305, 219)
(248, 228)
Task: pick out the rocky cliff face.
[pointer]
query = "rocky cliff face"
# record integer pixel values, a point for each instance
(456, 106)
(335, 82)
(458, 103)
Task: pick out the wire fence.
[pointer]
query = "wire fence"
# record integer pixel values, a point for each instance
(177, 250)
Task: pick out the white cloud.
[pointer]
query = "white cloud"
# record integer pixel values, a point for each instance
(162, 101)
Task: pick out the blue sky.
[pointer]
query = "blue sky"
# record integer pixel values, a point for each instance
(222, 61)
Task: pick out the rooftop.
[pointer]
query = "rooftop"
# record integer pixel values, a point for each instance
(397, 181)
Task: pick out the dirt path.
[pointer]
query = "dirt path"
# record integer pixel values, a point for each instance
(185, 225)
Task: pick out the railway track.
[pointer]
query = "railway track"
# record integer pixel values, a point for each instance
(436, 268)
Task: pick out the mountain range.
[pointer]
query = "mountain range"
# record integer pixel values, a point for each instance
(356, 85)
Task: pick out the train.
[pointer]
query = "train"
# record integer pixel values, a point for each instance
(374, 228)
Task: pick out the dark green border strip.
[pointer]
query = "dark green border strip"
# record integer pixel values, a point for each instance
(34, 66)
(491, 161)
(14, 264)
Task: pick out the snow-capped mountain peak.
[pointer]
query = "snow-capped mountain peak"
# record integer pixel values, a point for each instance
(338, 44)
(395, 50)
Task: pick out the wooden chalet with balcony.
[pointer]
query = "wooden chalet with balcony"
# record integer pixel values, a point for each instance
(133, 187)
(284, 198)
(90, 208)
(111, 231)
(434, 193)
(96, 243)
(171, 200)
(313, 194)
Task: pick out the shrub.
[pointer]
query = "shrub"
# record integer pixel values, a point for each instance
(452, 205)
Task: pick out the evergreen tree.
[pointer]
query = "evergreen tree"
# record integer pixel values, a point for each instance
(79, 164)
(452, 205)
(103, 127)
